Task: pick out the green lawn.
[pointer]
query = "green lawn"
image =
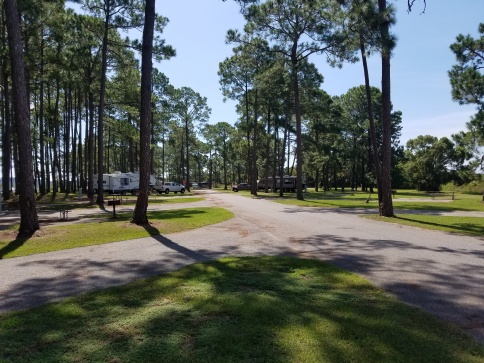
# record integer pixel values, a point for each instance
(236, 310)
(348, 199)
(454, 224)
(404, 200)
(110, 230)
(71, 201)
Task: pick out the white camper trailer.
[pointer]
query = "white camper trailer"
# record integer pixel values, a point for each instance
(121, 183)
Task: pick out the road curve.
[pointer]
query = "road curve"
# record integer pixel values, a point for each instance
(441, 272)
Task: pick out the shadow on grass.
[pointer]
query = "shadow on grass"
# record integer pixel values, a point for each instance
(151, 230)
(468, 228)
(14, 245)
(239, 310)
(157, 214)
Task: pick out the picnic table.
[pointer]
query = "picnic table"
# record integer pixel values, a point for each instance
(435, 194)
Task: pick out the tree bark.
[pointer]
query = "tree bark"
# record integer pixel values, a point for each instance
(386, 186)
(42, 185)
(253, 172)
(100, 128)
(187, 155)
(29, 221)
(90, 147)
(139, 213)
(374, 144)
(247, 120)
(6, 137)
(299, 156)
(6, 125)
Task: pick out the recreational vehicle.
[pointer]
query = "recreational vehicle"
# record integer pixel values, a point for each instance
(289, 183)
(121, 183)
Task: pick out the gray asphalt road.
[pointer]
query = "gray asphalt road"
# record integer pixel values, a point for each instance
(440, 272)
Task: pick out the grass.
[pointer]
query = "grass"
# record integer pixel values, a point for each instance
(404, 200)
(263, 309)
(454, 224)
(474, 187)
(56, 238)
(165, 199)
(462, 202)
(72, 201)
(349, 199)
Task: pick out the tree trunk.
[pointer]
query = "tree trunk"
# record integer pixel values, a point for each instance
(153, 142)
(6, 124)
(57, 153)
(268, 152)
(275, 157)
(6, 136)
(247, 120)
(187, 156)
(374, 144)
(253, 184)
(210, 171)
(74, 165)
(100, 128)
(139, 213)
(285, 139)
(42, 185)
(67, 138)
(316, 173)
(299, 156)
(48, 163)
(90, 147)
(29, 221)
(225, 160)
(386, 187)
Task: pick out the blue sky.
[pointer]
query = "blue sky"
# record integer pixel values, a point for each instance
(421, 60)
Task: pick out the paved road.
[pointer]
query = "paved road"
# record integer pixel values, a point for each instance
(440, 272)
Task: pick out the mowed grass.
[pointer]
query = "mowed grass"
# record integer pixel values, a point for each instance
(107, 230)
(160, 199)
(71, 201)
(454, 224)
(263, 309)
(405, 199)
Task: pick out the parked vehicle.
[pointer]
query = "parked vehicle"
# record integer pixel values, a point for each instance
(241, 186)
(289, 183)
(170, 187)
(194, 185)
(121, 183)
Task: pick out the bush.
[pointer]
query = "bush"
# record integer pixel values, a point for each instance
(474, 187)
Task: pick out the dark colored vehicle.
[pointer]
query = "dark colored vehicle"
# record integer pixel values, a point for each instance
(241, 186)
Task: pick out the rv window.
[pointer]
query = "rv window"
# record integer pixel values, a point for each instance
(124, 181)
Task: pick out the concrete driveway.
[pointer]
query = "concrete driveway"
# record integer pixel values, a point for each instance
(440, 272)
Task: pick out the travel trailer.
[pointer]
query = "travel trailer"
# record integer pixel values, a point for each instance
(289, 183)
(121, 183)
